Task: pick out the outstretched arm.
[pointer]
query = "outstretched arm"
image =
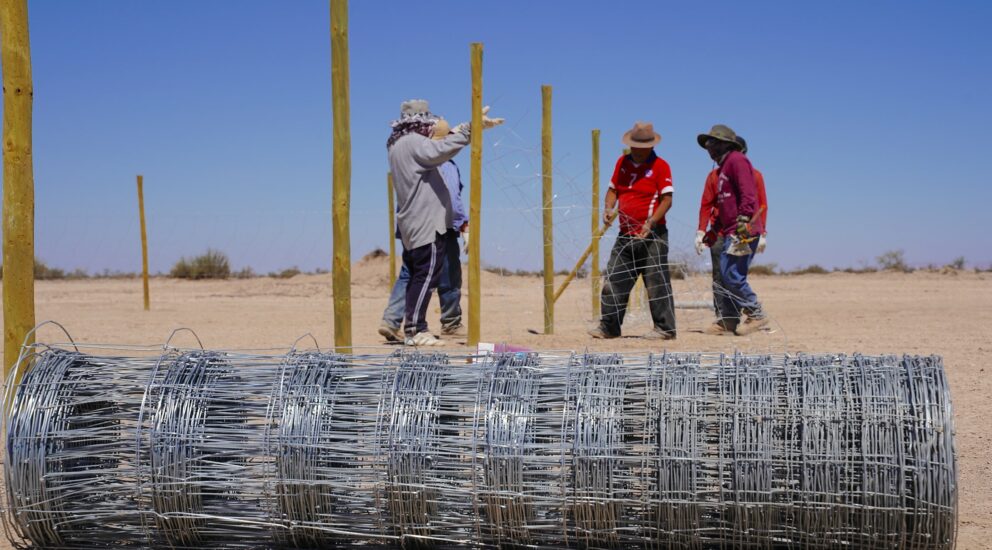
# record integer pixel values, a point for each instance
(435, 152)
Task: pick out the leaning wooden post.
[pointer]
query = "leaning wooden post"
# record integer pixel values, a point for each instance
(341, 279)
(392, 230)
(144, 241)
(547, 200)
(594, 268)
(18, 180)
(475, 203)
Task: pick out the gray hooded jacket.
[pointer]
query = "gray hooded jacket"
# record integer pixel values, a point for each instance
(423, 203)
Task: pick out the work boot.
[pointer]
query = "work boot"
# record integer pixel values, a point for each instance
(718, 328)
(659, 334)
(389, 333)
(751, 325)
(451, 328)
(423, 339)
(598, 332)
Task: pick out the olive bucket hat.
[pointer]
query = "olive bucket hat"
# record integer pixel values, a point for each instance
(720, 132)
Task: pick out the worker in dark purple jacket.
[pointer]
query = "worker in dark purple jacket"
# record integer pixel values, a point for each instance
(739, 223)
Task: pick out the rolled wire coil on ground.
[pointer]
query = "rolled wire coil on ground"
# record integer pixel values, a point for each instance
(200, 449)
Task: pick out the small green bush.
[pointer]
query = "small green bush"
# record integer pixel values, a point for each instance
(245, 273)
(43, 272)
(286, 273)
(958, 263)
(762, 269)
(814, 269)
(893, 260)
(213, 264)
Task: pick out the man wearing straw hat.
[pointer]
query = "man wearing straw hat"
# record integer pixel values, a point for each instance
(740, 225)
(423, 205)
(640, 194)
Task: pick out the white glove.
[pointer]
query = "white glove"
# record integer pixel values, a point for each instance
(465, 237)
(761, 244)
(462, 128)
(487, 122)
(699, 242)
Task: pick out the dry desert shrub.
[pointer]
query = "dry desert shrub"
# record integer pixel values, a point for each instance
(213, 264)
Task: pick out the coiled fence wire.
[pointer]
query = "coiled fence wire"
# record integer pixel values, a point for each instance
(201, 449)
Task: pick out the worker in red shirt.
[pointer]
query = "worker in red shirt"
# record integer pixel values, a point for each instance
(708, 236)
(640, 194)
(739, 222)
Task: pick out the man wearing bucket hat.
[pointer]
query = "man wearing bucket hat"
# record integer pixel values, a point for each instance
(423, 205)
(706, 233)
(740, 225)
(640, 194)
(450, 282)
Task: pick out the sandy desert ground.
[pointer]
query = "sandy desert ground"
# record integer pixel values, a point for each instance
(949, 314)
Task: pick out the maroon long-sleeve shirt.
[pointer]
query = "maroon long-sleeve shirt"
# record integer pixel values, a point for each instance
(737, 193)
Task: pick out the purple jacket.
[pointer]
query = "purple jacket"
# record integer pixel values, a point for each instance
(737, 194)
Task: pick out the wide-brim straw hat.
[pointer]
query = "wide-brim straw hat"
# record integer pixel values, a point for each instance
(641, 136)
(720, 132)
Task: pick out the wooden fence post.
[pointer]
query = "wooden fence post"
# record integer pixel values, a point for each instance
(18, 180)
(547, 201)
(341, 278)
(144, 242)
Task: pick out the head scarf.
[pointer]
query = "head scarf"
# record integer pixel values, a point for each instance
(414, 118)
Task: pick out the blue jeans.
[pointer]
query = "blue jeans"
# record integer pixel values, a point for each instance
(736, 297)
(449, 290)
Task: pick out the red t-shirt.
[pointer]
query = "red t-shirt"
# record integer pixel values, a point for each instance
(639, 188)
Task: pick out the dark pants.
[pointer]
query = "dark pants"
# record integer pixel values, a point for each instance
(715, 252)
(631, 258)
(425, 264)
(449, 288)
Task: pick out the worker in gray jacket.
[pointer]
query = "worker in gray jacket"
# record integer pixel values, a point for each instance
(423, 212)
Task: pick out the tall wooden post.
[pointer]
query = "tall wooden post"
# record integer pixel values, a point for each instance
(547, 200)
(341, 279)
(392, 230)
(475, 203)
(144, 241)
(594, 268)
(18, 180)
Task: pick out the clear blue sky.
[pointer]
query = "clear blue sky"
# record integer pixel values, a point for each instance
(868, 119)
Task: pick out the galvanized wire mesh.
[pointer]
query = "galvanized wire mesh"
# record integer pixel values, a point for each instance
(198, 449)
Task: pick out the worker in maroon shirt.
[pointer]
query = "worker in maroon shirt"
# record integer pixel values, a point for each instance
(739, 223)
(641, 194)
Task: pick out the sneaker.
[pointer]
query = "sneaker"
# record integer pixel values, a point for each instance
(389, 333)
(718, 328)
(658, 334)
(751, 325)
(598, 332)
(451, 329)
(423, 339)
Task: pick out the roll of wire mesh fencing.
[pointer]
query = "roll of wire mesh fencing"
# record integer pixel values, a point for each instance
(201, 449)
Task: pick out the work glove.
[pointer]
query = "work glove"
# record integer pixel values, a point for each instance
(761, 244)
(465, 238)
(487, 122)
(734, 246)
(699, 242)
(743, 227)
